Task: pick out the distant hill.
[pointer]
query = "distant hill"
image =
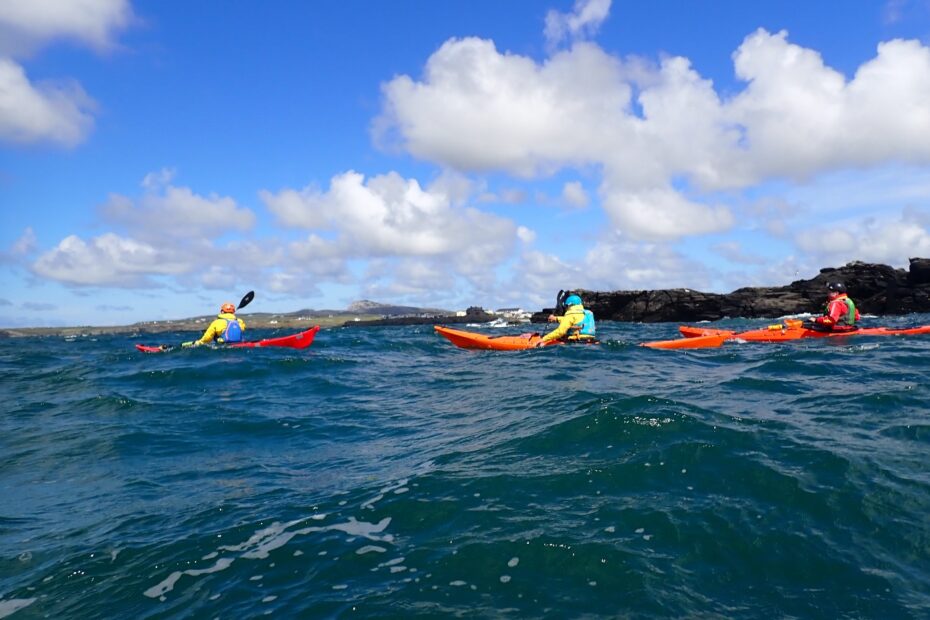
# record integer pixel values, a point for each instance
(365, 306)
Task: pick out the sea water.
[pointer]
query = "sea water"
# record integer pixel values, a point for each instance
(385, 473)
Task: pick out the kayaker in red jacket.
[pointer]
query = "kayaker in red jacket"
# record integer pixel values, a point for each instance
(840, 314)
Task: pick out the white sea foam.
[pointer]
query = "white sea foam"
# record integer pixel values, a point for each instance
(167, 585)
(400, 484)
(267, 539)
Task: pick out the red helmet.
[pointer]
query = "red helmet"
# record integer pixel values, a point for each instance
(228, 308)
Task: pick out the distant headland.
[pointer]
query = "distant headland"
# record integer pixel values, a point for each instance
(877, 289)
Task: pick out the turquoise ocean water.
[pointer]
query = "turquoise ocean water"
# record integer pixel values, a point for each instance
(384, 473)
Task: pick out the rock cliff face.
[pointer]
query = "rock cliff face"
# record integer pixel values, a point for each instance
(876, 289)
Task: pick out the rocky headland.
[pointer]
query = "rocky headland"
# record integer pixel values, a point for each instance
(876, 289)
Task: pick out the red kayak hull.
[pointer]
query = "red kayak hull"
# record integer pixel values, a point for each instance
(300, 340)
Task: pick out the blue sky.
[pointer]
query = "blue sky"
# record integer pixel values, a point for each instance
(158, 158)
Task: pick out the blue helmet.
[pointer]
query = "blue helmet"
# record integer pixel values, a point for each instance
(572, 300)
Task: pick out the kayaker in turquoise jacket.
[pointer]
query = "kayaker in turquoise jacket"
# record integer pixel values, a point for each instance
(575, 325)
(840, 313)
(224, 328)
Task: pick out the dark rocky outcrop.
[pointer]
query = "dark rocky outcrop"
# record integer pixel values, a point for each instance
(877, 289)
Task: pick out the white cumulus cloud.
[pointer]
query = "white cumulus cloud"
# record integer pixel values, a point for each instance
(28, 24)
(55, 112)
(388, 215)
(574, 195)
(662, 136)
(169, 211)
(663, 213)
(886, 240)
(584, 21)
(416, 239)
(107, 260)
(51, 111)
(478, 109)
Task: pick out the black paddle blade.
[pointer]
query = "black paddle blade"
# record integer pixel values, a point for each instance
(246, 300)
(560, 301)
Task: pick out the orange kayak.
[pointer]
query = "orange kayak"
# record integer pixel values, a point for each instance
(697, 341)
(781, 332)
(792, 329)
(474, 340)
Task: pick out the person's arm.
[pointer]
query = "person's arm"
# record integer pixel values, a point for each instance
(838, 310)
(565, 322)
(830, 317)
(208, 335)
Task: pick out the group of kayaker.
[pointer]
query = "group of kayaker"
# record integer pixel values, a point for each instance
(575, 324)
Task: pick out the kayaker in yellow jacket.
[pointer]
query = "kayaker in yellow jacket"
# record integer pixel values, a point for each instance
(224, 328)
(576, 324)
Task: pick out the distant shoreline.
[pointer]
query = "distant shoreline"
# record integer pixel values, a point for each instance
(877, 289)
(195, 325)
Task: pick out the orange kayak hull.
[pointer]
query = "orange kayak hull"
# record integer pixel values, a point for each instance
(783, 333)
(705, 337)
(474, 340)
(698, 341)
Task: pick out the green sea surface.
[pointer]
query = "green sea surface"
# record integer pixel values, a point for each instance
(384, 473)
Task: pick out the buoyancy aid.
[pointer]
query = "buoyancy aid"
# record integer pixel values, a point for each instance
(233, 331)
(588, 327)
(583, 328)
(851, 314)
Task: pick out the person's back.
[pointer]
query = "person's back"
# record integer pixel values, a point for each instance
(225, 327)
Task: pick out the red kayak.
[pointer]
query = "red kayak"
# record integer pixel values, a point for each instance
(294, 341)
(474, 340)
(792, 329)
